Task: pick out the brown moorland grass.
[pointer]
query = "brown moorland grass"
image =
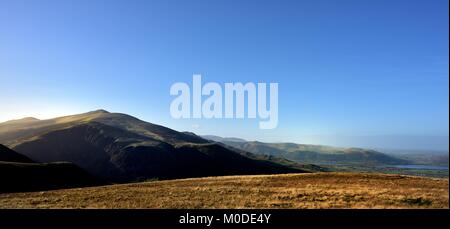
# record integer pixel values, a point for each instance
(316, 190)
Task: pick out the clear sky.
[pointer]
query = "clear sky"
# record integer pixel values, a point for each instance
(347, 70)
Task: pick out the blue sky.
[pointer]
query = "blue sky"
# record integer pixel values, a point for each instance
(346, 69)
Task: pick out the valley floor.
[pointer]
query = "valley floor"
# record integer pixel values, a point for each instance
(316, 190)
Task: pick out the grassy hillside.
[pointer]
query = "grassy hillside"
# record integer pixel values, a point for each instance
(120, 148)
(117, 155)
(16, 132)
(314, 190)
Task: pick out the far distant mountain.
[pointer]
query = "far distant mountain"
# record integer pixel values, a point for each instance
(421, 157)
(18, 173)
(221, 139)
(314, 154)
(121, 148)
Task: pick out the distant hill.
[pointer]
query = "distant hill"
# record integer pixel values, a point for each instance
(19, 174)
(421, 157)
(18, 122)
(315, 154)
(221, 139)
(121, 148)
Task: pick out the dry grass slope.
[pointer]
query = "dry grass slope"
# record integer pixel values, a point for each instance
(318, 190)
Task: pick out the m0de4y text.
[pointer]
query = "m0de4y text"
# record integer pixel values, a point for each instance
(225, 219)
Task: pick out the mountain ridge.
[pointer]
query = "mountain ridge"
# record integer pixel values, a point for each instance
(121, 148)
(315, 154)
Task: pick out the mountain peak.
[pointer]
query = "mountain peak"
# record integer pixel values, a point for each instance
(102, 111)
(22, 120)
(28, 119)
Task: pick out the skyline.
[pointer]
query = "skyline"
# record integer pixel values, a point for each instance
(344, 70)
(396, 143)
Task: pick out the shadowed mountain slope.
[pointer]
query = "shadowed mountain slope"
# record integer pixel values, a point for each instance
(9, 155)
(121, 148)
(19, 173)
